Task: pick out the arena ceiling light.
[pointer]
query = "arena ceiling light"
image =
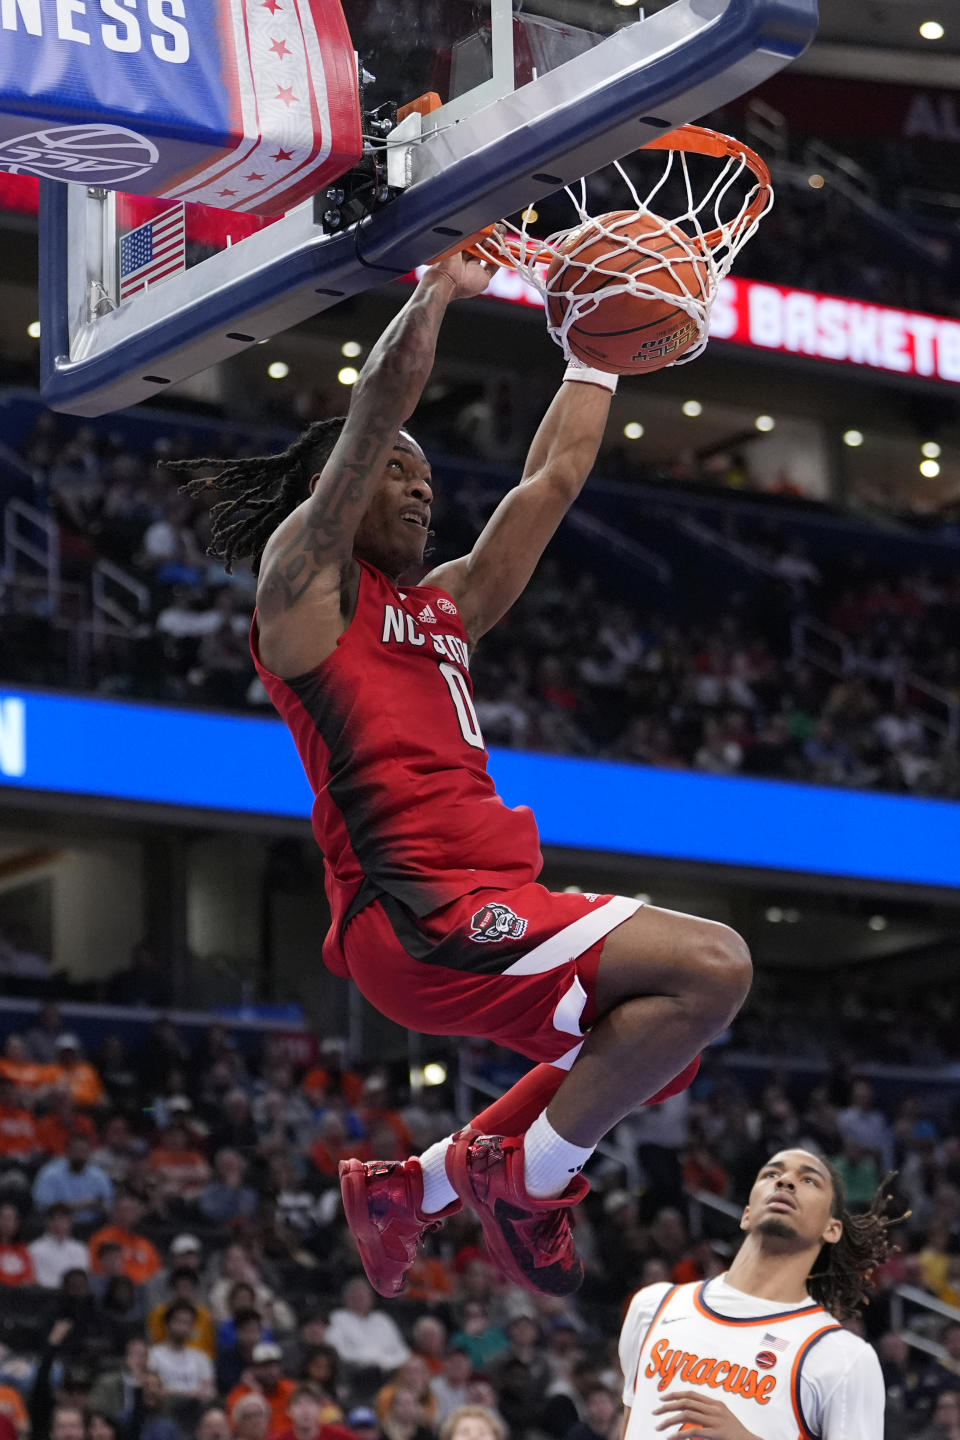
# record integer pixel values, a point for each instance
(932, 30)
(930, 450)
(350, 349)
(816, 181)
(33, 329)
(765, 423)
(692, 408)
(349, 375)
(929, 469)
(624, 4)
(434, 1073)
(878, 922)
(633, 430)
(279, 370)
(853, 438)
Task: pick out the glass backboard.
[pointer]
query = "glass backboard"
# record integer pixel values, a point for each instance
(472, 109)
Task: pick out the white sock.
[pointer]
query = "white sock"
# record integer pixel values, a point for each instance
(549, 1161)
(437, 1190)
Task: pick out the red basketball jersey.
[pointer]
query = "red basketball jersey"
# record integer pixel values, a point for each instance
(387, 733)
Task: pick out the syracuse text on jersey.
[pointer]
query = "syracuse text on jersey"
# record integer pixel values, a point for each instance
(718, 1374)
(125, 26)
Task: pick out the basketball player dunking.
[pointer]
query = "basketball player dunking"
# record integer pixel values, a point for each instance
(759, 1353)
(436, 913)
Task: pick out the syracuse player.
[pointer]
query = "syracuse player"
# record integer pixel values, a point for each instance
(759, 1353)
(436, 913)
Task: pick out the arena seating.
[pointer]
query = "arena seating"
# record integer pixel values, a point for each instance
(800, 672)
(216, 1156)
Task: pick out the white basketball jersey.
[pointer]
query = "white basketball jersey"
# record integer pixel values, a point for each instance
(753, 1365)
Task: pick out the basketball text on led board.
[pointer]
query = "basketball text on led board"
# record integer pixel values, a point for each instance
(747, 312)
(799, 322)
(823, 327)
(240, 764)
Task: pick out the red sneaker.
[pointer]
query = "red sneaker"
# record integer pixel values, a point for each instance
(382, 1201)
(530, 1240)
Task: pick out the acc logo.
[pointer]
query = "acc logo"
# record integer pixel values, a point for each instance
(91, 154)
(496, 922)
(447, 606)
(765, 1360)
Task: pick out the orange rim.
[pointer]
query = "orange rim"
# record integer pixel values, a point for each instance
(698, 140)
(510, 250)
(507, 251)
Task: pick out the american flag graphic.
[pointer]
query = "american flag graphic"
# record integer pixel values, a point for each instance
(153, 252)
(775, 1342)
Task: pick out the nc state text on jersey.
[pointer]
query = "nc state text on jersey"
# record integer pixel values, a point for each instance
(399, 627)
(121, 24)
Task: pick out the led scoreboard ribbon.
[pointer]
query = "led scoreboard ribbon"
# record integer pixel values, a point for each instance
(239, 764)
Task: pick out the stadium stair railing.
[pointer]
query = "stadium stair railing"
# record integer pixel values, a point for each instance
(829, 650)
(935, 1312)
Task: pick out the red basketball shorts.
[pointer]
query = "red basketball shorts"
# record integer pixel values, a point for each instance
(514, 966)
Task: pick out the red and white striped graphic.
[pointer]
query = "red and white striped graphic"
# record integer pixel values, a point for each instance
(297, 85)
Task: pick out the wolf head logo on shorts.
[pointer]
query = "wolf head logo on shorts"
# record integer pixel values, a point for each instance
(496, 922)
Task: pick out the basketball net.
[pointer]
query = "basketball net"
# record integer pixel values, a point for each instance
(708, 235)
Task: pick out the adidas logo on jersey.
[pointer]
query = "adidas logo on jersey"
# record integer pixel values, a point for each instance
(426, 616)
(447, 606)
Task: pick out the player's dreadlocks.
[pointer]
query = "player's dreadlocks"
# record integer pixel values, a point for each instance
(260, 492)
(842, 1278)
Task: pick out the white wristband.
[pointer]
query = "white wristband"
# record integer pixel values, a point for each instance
(576, 371)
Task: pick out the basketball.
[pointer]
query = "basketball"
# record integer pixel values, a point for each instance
(624, 333)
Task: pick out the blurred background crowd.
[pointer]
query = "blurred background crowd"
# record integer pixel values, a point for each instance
(760, 579)
(753, 637)
(174, 1261)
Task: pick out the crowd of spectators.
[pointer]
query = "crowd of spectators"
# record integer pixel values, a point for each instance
(815, 239)
(847, 1013)
(573, 667)
(574, 671)
(826, 237)
(174, 1261)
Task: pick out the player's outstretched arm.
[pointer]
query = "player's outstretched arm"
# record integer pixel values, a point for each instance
(491, 578)
(307, 561)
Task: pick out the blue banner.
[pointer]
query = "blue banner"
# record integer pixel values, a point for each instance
(234, 103)
(232, 763)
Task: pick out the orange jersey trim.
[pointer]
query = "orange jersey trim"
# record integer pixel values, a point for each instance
(650, 1329)
(704, 1309)
(805, 1432)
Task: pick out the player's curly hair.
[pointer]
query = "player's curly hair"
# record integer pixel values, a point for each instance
(259, 492)
(842, 1278)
